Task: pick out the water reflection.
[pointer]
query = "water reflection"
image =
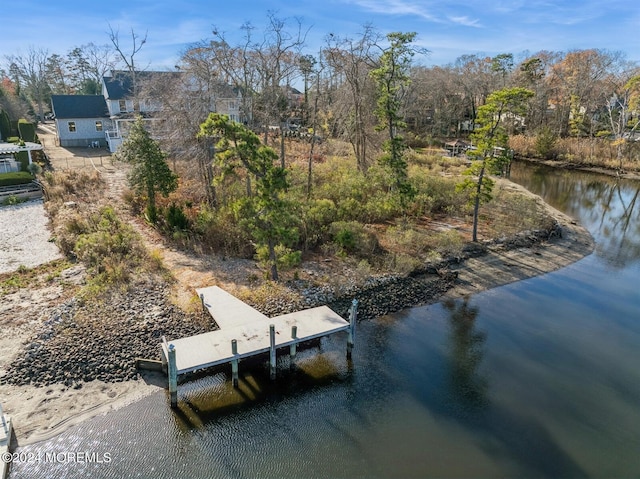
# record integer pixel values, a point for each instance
(468, 386)
(606, 206)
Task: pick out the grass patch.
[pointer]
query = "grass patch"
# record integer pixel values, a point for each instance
(36, 277)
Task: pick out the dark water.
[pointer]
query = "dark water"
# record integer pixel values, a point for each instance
(539, 378)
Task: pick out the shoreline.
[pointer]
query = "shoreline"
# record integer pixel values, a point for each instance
(42, 412)
(572, 166)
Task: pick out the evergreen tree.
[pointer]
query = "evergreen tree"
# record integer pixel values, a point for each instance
(392, 78)
(150, 173)
(491, 140)
(263, 211)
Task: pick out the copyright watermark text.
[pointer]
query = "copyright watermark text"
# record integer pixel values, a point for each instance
(61, 457)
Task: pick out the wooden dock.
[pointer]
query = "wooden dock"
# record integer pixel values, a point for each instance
(245, 332)
(5, 441)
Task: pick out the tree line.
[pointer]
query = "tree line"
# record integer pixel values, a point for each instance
(581, 93)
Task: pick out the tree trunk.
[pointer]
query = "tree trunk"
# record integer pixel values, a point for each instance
(273, 260)
(282, 162)
(476, 205)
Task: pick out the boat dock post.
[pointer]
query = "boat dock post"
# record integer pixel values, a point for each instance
(353, 315)
(292, 348)
(234, 363)
(272, 351)
(172, 373)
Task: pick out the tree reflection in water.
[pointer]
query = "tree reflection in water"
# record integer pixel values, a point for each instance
(606, 206)
(468, 386)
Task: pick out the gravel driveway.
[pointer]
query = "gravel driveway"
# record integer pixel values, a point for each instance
(24, 237)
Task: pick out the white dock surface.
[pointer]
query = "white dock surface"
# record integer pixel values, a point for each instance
(5, 439)
(227, 310)
(250, 328)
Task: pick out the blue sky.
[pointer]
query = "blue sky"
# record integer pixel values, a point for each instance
(447, 28)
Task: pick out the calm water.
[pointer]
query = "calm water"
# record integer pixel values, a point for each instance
(539, 378)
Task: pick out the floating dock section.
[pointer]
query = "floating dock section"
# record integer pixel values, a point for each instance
(245, 332)
(5, 441)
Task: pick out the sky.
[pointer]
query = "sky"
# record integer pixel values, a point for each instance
(448, 29)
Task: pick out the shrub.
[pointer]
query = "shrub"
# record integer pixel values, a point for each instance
(176, 219)
(27, 130)
(13, 200)
(545, 143)
(286, 258)
(407, 239)
(448, 242)
(105, 242)
(15, 178)
(219, 231)
(316, 218)
(353, 238)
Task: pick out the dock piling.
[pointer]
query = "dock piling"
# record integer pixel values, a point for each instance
(292, 348)
(234, 363)
(353, 315)
(272, 351)
(173, 376)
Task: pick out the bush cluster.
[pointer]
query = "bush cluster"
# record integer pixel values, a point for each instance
(15, 178)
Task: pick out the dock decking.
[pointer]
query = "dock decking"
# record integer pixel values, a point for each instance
(246, 332)
(5, 441)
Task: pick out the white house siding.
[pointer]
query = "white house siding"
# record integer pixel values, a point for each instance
(85, 133)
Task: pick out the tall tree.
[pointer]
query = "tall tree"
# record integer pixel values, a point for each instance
(307, 64)
(150, 173)
(491, 140)
(476, 80)
(30, 72)
(128, 56)
(265, 213)
(392, 79)
(57, 75)
(620, 109)
(352, 60)
(577, 81)
(87, 65)
(503, 65)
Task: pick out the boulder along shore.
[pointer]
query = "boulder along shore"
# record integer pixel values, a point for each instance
(79, 360)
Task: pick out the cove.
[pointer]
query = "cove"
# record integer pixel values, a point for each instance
(538, 378)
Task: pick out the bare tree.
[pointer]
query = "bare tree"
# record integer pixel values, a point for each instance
(87, 65)
(352, 60)
(128, 57)
(30, 71)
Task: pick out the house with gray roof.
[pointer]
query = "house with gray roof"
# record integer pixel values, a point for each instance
(105, 120)
(81, 120)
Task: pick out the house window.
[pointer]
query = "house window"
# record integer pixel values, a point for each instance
(122, 104)
(98, 126)
(72, 126)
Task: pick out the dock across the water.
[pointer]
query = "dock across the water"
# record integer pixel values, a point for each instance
(245, 332)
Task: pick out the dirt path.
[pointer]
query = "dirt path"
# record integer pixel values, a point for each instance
(190, 270)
